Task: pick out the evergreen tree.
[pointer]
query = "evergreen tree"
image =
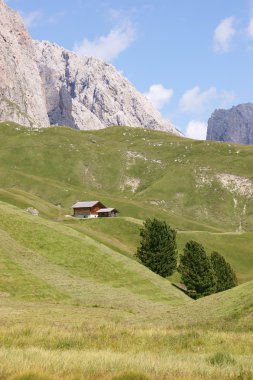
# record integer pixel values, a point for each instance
(196, 270)
(226, 277)
(158, 248)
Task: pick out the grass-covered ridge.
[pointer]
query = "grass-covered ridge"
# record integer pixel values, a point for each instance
(74, 301)
(142, 172)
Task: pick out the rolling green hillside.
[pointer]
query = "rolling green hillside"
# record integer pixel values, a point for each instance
(74, 301)
(141, 172)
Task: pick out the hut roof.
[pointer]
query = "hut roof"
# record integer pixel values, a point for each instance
(107, 210)
(86, 204)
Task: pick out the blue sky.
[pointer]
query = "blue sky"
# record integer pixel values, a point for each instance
(188, 56)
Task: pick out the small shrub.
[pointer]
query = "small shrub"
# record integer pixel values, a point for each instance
(30, 376)
(131, 376)
(243, 375)
(66, 344)
(221, 358)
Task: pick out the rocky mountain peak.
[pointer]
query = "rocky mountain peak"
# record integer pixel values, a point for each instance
(22, 97)
(87, 93)
(42, 83)
(233, 125)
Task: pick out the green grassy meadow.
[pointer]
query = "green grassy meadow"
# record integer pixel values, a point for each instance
(74, 301)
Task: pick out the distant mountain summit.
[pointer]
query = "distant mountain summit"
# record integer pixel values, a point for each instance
(42, 84)
(234, 125)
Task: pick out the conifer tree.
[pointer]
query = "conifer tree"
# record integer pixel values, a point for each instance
(158, 248)
(226, 277)
(196, 270)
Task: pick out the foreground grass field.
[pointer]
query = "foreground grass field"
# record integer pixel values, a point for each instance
(74, 301)
(207, 340)
(74, 308)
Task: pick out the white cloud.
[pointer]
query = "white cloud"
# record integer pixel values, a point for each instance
(159, 95)
(55, 18)
(31, 19)
(223, 35)
(225, 98)
(194, 100)
(250, 28)
(196, 130)
(115, 14)
(108, 47)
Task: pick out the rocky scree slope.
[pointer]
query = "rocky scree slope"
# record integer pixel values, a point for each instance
(22, 97)
(87, 93)
(233, 125)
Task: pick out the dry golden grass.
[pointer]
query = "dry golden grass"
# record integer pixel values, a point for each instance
(60, 341)
(74, 364)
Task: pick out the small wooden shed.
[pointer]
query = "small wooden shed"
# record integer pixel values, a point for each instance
(107, 212)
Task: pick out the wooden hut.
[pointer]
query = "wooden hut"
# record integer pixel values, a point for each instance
(93, 209)
(88, 209)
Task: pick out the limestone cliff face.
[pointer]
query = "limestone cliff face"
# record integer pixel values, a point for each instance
(86, 93)
(22, 97)
(233, 125)
(42, 84)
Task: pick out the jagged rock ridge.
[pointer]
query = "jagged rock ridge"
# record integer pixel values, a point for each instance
(233, 125)
(22, 97)
(87, 93)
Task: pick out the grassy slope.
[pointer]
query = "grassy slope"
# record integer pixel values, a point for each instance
(61, 166)
(107, 312)
(55, 252)
(50, 169)
(61, 265)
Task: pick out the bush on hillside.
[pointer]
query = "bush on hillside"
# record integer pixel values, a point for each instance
(131, 376)
(158, 247)
(30, 376)
(226, 277)
(196, 271)
(221, 358)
